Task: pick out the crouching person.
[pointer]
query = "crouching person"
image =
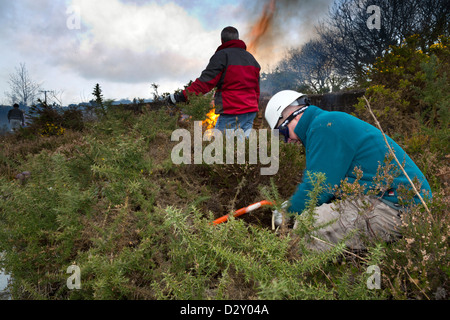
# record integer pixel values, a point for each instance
(339, 145)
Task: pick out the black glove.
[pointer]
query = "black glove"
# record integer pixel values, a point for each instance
(174, 98)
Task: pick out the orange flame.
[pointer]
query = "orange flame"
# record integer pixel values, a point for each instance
(261, 26)
(211, 119)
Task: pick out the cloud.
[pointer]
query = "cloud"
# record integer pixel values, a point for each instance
(116, 41)
(134, 43)
(131, 43)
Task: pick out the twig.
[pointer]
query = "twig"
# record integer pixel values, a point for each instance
(238, 190)
(334, 286)
(346, 251)
(398, 162)
(412, 280)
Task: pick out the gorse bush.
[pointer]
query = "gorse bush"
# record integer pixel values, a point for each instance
(40, 222)
(408, 86)
(238, 260)
(111, 201)
(198, 106)
(408, 89)
(51, 129)
(417, 266)
(103, 205)
(47, 120)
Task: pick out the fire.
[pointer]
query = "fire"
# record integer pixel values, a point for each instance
(211, 119)
(261, 26)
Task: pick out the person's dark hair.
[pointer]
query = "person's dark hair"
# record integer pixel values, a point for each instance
(229, 33)
(16, 105)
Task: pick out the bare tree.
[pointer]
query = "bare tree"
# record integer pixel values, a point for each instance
(23, 89)
(434, 19)
(316, 65)
(311, 67)
(355, 47)
(347, 46)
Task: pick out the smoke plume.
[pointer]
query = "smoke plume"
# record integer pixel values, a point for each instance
(282, 24)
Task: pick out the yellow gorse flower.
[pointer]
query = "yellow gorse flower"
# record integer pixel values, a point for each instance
(51, 129)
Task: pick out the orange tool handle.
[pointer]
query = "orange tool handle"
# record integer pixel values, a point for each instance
(242, 211)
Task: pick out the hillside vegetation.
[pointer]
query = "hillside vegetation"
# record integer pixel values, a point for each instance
(105, 196)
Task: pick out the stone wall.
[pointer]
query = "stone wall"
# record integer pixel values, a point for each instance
(336, 101)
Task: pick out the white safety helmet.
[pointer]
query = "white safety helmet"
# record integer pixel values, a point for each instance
(281, 101)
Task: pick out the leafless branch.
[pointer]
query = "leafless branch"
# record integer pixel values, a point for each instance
(396, 159)
(22, 88)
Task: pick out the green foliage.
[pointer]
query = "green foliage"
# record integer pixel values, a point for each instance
(47, 120)
(198, 106)
(99, 102)
(417, 266)
(139, 227)
(435, 95)
(106, 210)
(306, 221)
(49, 222)
(408, 86)
(40, 222)
(222, 262)
(408, 90)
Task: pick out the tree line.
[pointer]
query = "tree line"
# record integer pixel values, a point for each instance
(346, 45)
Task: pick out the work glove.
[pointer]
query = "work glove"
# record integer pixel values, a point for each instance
(277, 217)
(174, 98)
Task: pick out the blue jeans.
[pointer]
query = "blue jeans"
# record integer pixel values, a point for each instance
(236, 121)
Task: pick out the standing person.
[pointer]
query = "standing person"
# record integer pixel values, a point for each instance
(236, 75)
(335, 144)
(15, 118)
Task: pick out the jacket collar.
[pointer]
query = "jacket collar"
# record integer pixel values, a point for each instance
(233, 44)
(302, 128)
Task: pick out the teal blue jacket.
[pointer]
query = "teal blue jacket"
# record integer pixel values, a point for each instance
(335, 143)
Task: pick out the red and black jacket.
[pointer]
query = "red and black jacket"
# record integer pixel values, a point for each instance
(235, 74)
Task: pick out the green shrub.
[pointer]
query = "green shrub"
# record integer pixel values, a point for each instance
(417, 266)
(111, 201)
(40, 224)
(198, 106)
(409, 93)
(408, 86)
(47, 120)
